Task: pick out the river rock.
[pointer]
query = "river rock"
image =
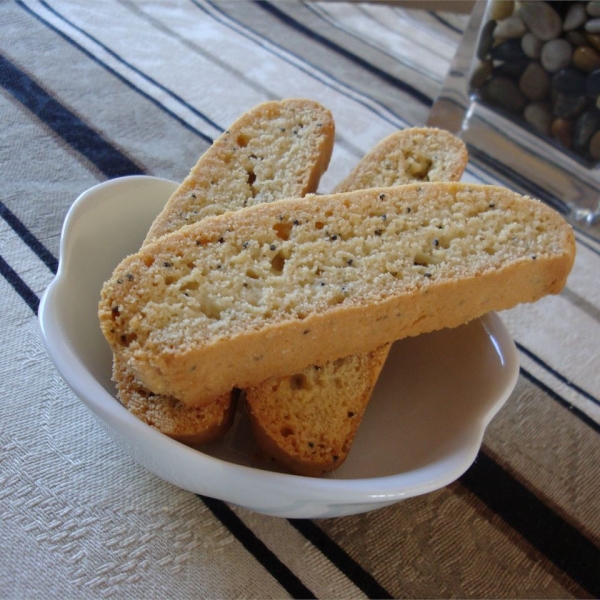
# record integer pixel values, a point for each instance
(586, 125)
(593, 9)
(592, 26)
(592, 86)
(486, 40)
(539, 116)
(556, 55)
(503, 92)
(508, 50)
(534, 83)
(586, 58)
(542, 20)
(594, 146)
(577, 38)
(481, 72)
(570, 81)
(501, 9)
(566, 106)
(575, 18)
(562, 132)
(531, 46)
(513, 27)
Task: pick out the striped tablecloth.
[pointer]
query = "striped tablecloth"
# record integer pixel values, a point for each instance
(95, 90)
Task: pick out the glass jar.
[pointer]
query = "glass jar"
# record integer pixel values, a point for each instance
(523, 92)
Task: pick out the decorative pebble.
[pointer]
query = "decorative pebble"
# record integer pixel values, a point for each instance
(562, 132)
(512, 68)
(556, 55)
(481, 72)
(501, 9)
(513, 27)
(534, 83)
(540, 61)
(576, 17)
(577, 38)
(592, 84)
(532, 46)
(542, 20)
(593, 26)
(585, 127)
(593, 9)
(594, 146)
(539, 116)
(586, 58)
(567, 106)
(593, 40)
(486, 40)
(508, 51)
(503, 92)
(570, 81)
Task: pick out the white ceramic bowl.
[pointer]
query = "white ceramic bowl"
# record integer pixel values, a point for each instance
(422, 429)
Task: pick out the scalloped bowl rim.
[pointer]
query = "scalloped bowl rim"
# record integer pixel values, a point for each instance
(238, 483)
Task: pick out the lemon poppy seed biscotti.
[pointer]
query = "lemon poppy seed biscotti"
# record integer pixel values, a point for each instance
(306, 422)
(271, 289)
(274, 150)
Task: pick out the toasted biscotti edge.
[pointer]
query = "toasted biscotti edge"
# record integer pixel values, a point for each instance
(196, 426)
(305, 428)
(292, 433)
(216, 363)
(241, 167)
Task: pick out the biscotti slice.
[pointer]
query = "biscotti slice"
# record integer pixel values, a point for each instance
(271, 289)
(192, 426)
(306, 422)
(277, 150)
(274, 150)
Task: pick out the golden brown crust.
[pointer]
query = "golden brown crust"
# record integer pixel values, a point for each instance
(495, 249)
(282, 162)
(307, 422)
(416, 154)
(276, 150)
(301, 422)
(192, 426)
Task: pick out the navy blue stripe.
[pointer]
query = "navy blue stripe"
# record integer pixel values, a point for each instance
(21, 230)
(340, 558)
(67, 125)
(114, 73)
(445, 22)
(560, 542)
(562, 401)
(258, 549)
(315, 70)
(130, 66)
(558, 375)
(26, 293)
(358, 60)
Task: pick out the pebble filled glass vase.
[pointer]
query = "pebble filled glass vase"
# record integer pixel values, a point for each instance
(523, 92)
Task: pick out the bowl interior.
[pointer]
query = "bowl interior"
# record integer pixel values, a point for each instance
(435, 396)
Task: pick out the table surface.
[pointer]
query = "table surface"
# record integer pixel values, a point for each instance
(92, 91)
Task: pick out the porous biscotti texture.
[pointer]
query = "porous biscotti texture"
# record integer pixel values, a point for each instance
(410, 155)
(307, 422)
(192, 426)
(271, 289)
(274, 150)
